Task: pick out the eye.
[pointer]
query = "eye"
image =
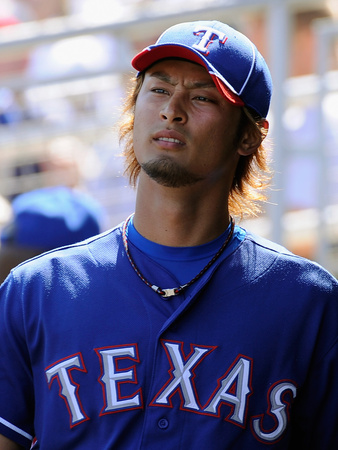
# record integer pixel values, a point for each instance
(202, 99)
(159, 91)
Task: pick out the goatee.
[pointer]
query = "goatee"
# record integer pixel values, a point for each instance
(169, 173)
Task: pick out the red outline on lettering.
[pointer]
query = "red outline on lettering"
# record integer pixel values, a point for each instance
(171, 376)
(119, 383)
(224, 402)
(82, 368)
(211, 39)
(269, 414)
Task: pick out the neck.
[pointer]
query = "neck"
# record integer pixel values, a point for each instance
(179, 217)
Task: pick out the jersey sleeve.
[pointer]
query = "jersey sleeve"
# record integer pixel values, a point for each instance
(16, 385)
(315, 418)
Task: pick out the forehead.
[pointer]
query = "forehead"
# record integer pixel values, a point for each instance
(174, 70)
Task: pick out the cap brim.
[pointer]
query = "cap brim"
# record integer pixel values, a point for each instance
(151, 55)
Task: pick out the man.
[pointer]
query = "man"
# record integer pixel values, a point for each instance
(177, 329)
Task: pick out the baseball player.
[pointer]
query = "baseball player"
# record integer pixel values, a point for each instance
(178, 329)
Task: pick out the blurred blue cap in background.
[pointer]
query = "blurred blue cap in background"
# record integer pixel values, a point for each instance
(52, 217)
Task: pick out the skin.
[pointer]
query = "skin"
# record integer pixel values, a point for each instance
(7, 444)
(185, 139)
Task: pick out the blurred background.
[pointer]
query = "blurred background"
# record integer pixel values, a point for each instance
(64, 70)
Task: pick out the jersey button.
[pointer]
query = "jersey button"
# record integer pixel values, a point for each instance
(163, 423)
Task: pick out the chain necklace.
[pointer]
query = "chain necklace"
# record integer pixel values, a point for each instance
(170, 292)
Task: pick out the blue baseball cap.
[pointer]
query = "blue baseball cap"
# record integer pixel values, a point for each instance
(237, 68)
(52, 217)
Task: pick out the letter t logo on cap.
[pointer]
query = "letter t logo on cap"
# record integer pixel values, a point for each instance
(209, 36)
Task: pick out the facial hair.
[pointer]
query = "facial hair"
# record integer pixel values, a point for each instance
(169, 173)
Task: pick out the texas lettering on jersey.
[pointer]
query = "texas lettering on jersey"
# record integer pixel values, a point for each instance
(233, 388)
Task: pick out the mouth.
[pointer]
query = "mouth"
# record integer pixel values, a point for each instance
(167, 139)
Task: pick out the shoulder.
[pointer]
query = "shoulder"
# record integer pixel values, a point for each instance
(265, 260)
(285, 288)
(265, 247)
(96, 251)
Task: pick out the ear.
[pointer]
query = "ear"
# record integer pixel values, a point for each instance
(251, 141)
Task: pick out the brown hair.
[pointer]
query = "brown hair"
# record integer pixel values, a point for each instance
(252, 174)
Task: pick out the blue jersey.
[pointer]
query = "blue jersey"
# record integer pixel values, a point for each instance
(92, 358)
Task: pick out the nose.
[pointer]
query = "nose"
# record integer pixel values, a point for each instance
(174, 110)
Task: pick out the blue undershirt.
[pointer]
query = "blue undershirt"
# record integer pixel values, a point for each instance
(183, 262)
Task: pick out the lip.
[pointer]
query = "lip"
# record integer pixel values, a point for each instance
(169, 138)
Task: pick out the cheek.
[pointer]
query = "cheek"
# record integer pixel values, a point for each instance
(139, 126)
(141, 132)
(143, 117)
(137, 143)
(220, 151)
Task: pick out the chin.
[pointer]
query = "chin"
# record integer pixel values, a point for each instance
(167, 172)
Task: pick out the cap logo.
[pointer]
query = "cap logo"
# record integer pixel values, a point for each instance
(209, 35)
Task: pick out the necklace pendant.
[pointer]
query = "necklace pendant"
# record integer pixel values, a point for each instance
(170, 292)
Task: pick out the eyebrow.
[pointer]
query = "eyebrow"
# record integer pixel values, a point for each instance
(163, 76)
